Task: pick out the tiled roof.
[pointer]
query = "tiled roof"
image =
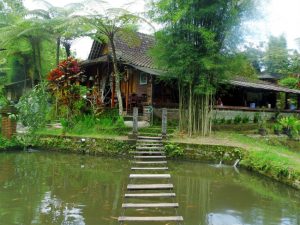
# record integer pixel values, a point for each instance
(135, 53)
(259, 84)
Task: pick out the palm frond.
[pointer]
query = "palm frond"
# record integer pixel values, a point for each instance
(39, 13)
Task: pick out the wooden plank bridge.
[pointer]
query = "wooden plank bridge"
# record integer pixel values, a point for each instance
(150, 181)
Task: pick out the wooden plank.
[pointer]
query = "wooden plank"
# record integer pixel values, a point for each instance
(150, 205)
(150, 218)
(149, 168)
(150, 162)
(150, 195)
(150, 157)
(149, 186)
(150, 176)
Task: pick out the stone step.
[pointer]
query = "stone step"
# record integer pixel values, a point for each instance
(150, 137)
(149, 148)
(150, 218)
(149, 144)
(139, 141)
(150, 157)
(147, 152)
(150, 195)
(149, 186)
(149, 176)
(150, 205)
(149, 168)
(150, 162)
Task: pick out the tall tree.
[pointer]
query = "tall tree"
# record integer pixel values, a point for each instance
(107, 25)
(193, 46)
(57, 16)
(32, 31)
(276, 57)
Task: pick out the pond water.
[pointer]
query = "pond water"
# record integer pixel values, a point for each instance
(53, 188)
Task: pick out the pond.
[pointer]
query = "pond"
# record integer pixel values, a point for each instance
(54, 188)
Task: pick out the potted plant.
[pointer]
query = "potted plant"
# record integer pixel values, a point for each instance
(292, 103)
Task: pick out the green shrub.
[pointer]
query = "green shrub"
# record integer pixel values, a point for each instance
(237, 119)
(245, 119)
(229, 121)
(173, 150)
(256, 118)
(290, 125)
(277, 128)
(5, 143)
(215, 121)
(222, 121)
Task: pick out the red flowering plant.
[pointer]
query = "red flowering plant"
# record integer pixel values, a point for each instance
(67, 69)
(64, 83)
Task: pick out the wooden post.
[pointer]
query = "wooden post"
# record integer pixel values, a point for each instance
(286, 104)
(127, 89)
(135, 121)
(164, 123)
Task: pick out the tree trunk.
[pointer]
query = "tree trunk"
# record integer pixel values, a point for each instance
(33, 46)
(190, 122)
(117, 76)
(57, 50)
(67, 47)
(39, 60)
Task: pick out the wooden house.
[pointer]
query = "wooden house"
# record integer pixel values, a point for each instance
(141, 86)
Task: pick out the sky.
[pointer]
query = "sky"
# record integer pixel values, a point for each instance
(279, 17)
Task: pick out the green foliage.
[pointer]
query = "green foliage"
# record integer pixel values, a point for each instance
(33, 107)
(194, 47)
(237, 119)
(245, 119)
(262, 122)
(277, 128)
(90, 124)
(256, 118)
(228, 121)
(7, 144)
(222, 120)
(3, 99)
(276, 56)
(97, 146)
(255, 55)
(173, 150)
(290, 125)
(290, 82)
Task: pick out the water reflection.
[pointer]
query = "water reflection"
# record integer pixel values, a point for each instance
(217, 195)
(55, 211)
(48, 188)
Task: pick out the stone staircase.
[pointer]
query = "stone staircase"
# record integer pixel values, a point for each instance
(150, 186)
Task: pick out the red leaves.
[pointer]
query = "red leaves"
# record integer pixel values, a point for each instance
(68, 67)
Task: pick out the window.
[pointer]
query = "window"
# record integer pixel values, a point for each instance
(143, 78)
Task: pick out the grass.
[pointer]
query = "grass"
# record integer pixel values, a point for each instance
(274, 156)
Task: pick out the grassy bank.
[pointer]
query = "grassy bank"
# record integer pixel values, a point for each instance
(270, 156)
(91, 146)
